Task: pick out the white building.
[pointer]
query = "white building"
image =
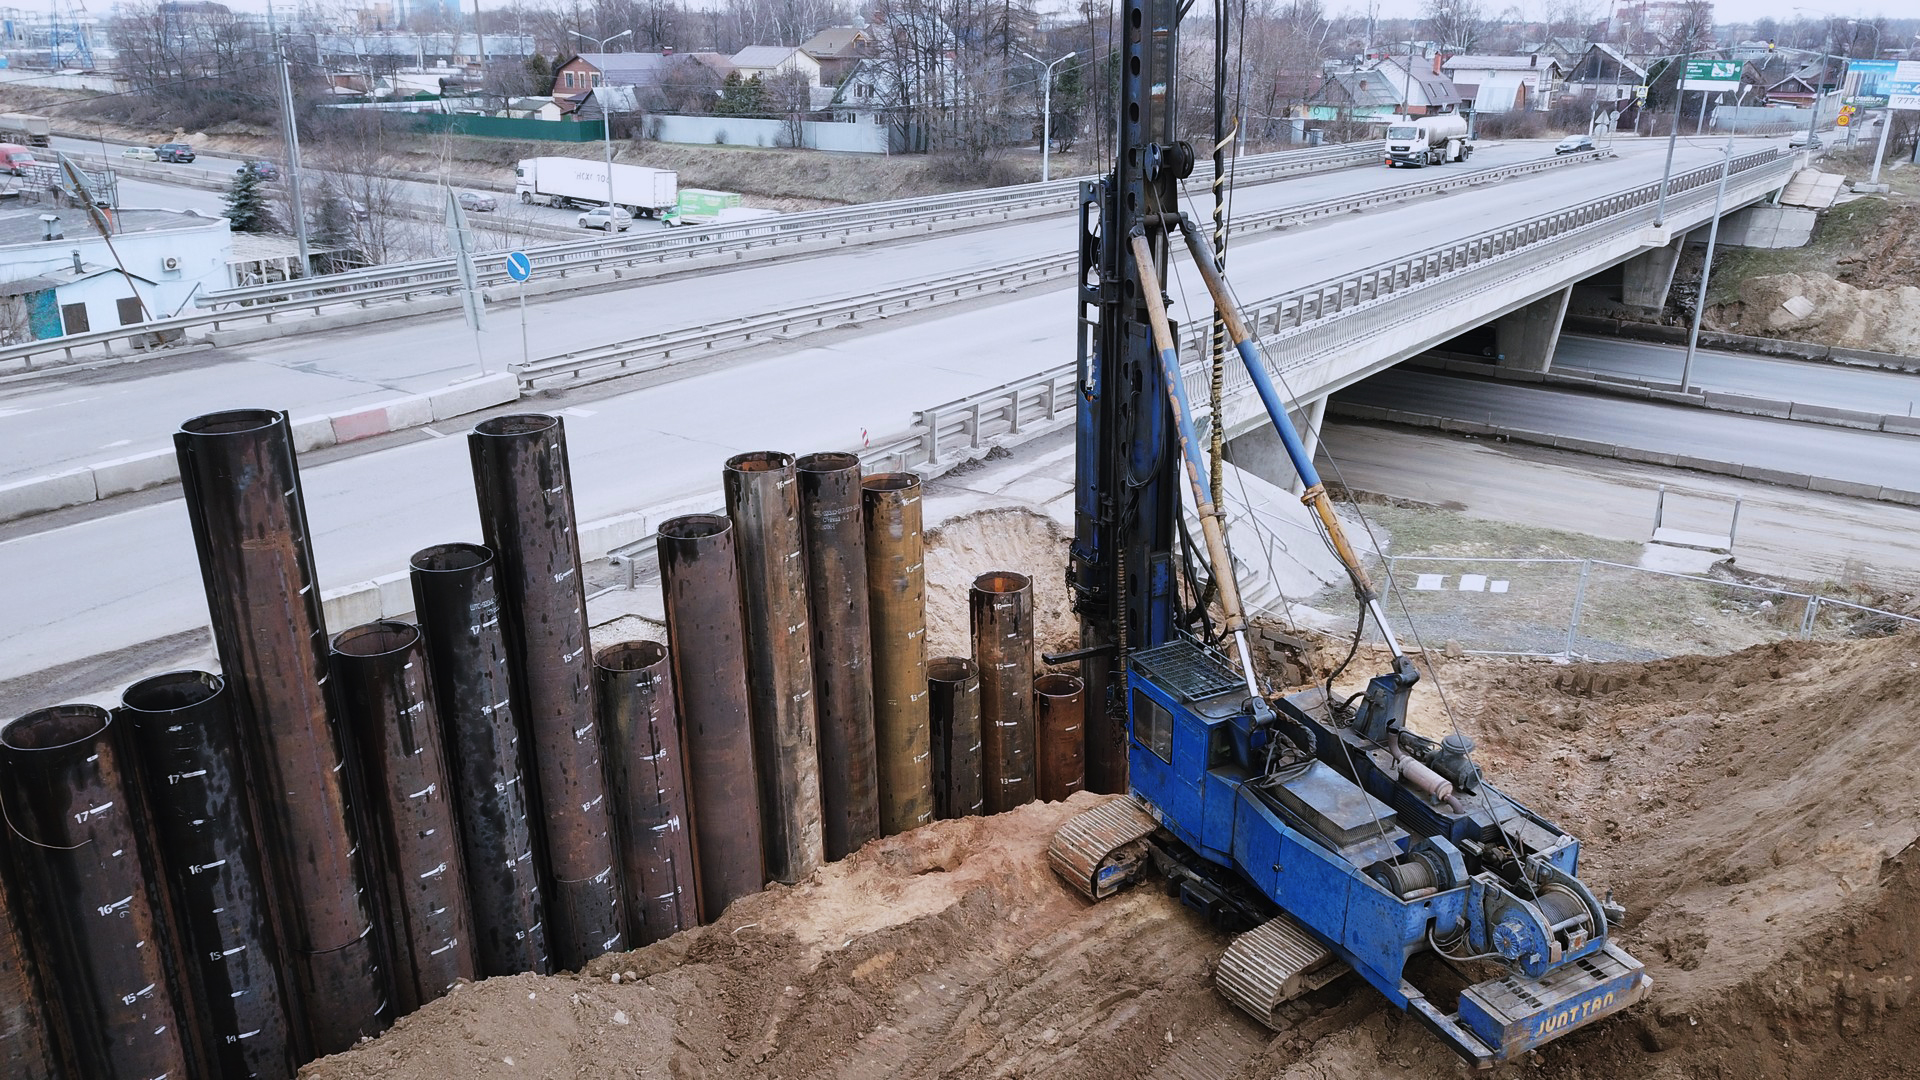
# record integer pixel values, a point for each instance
(1505, 83)
(59, 276)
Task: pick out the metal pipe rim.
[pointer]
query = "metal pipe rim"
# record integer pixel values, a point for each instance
(385, 637)
(171, 692)
(827, 461)
(516, 425)
(1002, 581)
(631, 656)
(760, 461)
(1058, 685)
(233, 422)
(450, 558)
(891, 481)
(952, 669)
(695, 527)
(55, 728)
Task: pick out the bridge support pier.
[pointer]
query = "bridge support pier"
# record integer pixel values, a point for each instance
(1526, 338)
(1645, 278)
(1261, 452)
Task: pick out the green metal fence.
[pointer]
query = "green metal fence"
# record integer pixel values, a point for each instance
(496, 127)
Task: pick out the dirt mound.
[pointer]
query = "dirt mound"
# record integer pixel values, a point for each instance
(1879, 319)
(1754, 812)
(963, 548)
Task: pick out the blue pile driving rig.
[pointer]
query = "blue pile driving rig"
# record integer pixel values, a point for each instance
(1332, 835)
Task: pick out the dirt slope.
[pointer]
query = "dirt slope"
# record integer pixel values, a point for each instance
(1754, 812)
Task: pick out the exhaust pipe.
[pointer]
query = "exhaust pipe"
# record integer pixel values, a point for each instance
(455, 599)
(1001, 605)
(765, 508)
(836, 546)
(1060, 718)
(897, 608)
(242, 489)
(705, 634)
(526, 513)
(953, 684)
(97, 910)
(381, 670)
(203, 815)
(634, 687)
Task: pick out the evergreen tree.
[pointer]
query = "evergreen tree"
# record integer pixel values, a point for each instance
(540, 72)
(247, 209)
(333, 229)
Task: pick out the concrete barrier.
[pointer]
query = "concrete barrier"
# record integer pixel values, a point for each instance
(39, 494)
(1823, 414)
(136, 473)
(474, 395)
(1900, 425)
(1844, 487)
(1774, 476)
(1750, 406)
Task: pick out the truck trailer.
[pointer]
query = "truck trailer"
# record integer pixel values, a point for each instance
(565, 181)
(31, 130)
(1427, 140)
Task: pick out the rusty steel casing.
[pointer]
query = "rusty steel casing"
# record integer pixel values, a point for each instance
(763, 501)
(456, 600)
(635, 694)
(521, 478)
(1001, 609)
(242, 490)
(897, 609)
(381, 669)
(953, 709)
(1059, 708)
(26, 1050)
(836, 545)
(706, 634)
(203, 816)
(97, 909)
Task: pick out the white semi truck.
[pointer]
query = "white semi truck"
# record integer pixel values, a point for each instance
(565, 181)
(1427, 140)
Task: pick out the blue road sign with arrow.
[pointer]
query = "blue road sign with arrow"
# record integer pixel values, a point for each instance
(519, 267)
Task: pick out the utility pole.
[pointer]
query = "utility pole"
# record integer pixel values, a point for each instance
(1673, 136)
(292, 131)
(606, 117)
(1706, 270)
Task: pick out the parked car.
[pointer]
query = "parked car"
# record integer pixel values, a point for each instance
(477, 202)
(140, 153)
(265, 170)
(606, 218)
(174, 151)
(15, 158)
(1573, 144)
(1810, 142)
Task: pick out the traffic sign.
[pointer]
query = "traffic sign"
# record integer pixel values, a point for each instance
(519, 267)
(1712, 75)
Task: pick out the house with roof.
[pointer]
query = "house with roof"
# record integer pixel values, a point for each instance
(1385, 90)
(1505, 83)
(58, 276)
(1607, 72)
(573, 79)
(769, 62)
(1804, 84)
(837, 49)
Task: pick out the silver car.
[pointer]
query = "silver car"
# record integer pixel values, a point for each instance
(475, 201)
(606, 218)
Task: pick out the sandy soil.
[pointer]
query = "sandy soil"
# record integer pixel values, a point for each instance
(1754, 812)
(962, 548)
(1880, 319)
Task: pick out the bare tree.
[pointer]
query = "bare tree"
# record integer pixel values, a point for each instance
(789, 100)
(1457, 25)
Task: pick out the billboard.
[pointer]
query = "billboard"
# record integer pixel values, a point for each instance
(1712, 75)
(1903, 88)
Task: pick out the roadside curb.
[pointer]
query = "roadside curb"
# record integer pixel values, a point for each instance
(1357, 411)
(1669, 393)
(138, 472)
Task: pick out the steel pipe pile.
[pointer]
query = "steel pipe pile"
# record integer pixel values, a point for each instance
(26, 1052)
(897, 609)
(700, 582)
(381, 671)
(184, 727)
(634, 688)
(520, 476)
(96, 908)
(953, 708)
(242, 489)
(1059, 706)
(457, 603)
(764, 504)
(836, 547)
(1001, 608)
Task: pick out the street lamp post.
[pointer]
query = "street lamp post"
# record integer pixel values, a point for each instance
(606, 116)
(1046, 114)
(1673, 137)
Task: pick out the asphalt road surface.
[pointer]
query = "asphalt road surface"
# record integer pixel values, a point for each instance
(1864, 457)
(1807, 382)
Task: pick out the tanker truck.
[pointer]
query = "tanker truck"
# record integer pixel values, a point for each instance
(1427, 140)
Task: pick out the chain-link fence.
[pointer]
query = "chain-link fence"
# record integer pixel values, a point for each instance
(1592, 609)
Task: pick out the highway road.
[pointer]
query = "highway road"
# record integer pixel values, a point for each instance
(325, 372)
(1807, 382)
(111, 576)
(1864, 457)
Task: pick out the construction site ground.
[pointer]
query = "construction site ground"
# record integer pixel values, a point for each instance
(1754, 812)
